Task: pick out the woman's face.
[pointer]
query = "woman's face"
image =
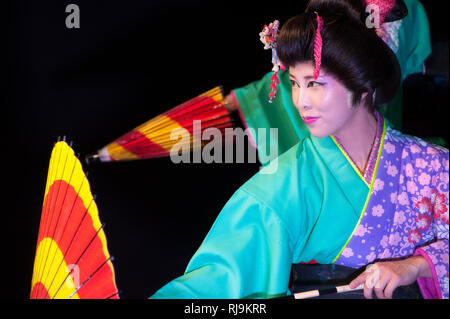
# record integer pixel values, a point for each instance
(324, 104)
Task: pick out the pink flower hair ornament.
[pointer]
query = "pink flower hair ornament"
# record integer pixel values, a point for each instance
(268, 37)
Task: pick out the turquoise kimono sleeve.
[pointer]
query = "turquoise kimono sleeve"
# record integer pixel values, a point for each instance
(246, 254)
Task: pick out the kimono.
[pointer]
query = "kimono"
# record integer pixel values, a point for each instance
(318, 207)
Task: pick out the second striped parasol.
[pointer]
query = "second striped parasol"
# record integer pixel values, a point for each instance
(155, 138)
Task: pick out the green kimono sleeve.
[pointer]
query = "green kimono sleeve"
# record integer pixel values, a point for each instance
(246, 254)
(258, 113)
(414, 39)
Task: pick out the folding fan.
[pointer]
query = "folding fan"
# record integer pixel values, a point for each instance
(72, 258)
(152, 139)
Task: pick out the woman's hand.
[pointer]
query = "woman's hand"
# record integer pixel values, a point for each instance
(229, 103)
(385, 277)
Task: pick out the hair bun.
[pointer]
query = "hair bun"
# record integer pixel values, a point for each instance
(357, 8)
(354, 8)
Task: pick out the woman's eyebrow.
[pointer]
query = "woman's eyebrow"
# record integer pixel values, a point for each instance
(307, 77)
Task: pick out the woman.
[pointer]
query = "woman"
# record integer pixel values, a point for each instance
(355, 192)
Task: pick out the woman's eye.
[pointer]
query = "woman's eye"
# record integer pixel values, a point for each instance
(293, 83)
(314, 83)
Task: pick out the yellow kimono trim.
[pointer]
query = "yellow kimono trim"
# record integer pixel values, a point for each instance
(370, 188)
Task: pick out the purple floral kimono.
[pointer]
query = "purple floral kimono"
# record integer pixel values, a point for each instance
(407, 213)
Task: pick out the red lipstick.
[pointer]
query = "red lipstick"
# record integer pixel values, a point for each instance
(309, 119)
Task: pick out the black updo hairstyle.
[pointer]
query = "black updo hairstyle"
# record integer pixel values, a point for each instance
(351, 52)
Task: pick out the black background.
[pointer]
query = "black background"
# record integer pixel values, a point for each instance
(128, 62)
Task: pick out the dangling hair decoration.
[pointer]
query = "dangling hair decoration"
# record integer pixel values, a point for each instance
(388, 32)
(268, 37)
(384, 8)
(318, 46)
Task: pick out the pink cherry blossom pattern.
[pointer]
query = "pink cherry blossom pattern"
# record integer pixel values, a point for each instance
(348, 252)
(403, 198)
(424, 205)
(423, 221)
(411, 187)
(424, 179)
(440, 207)
(445, 163)
(426, 191)
(409, 170)
(444, 217)
(371, 257)
(431, 150)
(392, 170)
(399, 218)
(415, 149)
(435, 165)
(378, 185)
(444, 257)
(394, 198)
(444, 177)
(377, 210)
(421, 163)
(395, 238)
(389, 147)
(414, 236)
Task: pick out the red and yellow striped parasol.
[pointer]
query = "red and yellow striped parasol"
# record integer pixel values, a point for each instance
(152, 139)
(72, 258)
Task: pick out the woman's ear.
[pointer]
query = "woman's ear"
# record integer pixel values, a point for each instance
(364, 100)
(354, 103)
(364, 96)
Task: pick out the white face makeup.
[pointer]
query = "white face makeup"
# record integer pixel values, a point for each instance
(324, 104)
